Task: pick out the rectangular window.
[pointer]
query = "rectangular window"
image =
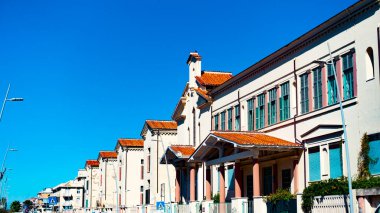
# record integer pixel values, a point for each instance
(148, 163)
(335, 156)
(317, 74)
(332, 89)
(348, 76)
(237, 117)
(216, 122)
(374, 155)
(229, 112)
(286, 178)
(223, 120)
(314, 164)
(119, 173)
(260, 111)
(272, 106)
(250, 114)
(284, 102)
(304, 93)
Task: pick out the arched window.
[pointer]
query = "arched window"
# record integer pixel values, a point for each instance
(369, 64)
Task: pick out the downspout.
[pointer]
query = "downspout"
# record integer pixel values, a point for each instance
(158, 133)
(239, 112)
(105, 180)
(126, 175)
(91, 187)
(211, 118)
(378, 46)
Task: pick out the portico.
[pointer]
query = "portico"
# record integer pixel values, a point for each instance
(257, 160)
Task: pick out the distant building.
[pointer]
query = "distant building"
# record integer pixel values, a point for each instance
(92, 185)
(130, 158)
(70, 195)
(108, 180)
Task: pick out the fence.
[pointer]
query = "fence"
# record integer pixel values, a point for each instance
(331, 204)
(220, 208)
(248, 207)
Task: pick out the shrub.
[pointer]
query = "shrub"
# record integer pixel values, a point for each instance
(334, 187)
(216, 198)
(280, 194)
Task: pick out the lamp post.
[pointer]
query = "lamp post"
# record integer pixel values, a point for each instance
(349, 178)
(8, 99)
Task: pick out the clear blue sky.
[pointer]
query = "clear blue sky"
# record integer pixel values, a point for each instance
(93, 71)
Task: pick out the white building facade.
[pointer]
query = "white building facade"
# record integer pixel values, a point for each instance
(130, 158)
(92, 185)
(108, 180)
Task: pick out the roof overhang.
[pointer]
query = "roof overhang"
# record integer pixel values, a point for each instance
(216, 148)
(173, 157)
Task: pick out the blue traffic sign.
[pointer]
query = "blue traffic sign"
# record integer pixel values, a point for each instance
(53, 200)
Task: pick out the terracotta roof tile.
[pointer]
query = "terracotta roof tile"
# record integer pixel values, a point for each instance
(154, 124)
(203, 93)
(108, 154)
(183, 149)
(213, 78)
(131, 142)
(92, 163)
(257, 139)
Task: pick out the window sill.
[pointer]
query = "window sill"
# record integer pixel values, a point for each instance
(370, 79)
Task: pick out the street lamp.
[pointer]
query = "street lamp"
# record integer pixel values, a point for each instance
(8, 99)
(3, 170)
(344, 129)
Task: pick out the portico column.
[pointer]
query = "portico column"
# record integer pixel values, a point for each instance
(295, 176)
(222, 192)
(238, 180)
(192, 183)
(208, 183)
(177, 185)
(256, 178)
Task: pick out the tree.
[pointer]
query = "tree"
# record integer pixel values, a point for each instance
(28, 204)
(15, 206)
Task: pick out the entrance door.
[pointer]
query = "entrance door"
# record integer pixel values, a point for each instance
(249, 186)
(267, 180)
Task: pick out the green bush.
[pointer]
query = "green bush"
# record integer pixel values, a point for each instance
(216, 198)
(280, 194)
(334, 187)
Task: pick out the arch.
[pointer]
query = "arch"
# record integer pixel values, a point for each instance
(369, 64)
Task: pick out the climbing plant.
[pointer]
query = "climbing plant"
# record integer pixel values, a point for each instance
(364, 159)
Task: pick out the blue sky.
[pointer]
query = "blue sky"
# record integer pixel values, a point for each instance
(92, 71)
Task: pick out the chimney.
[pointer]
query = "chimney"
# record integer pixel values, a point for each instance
(194, 62)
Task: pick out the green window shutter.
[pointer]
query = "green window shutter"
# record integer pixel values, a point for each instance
(314, 165)
(335, 155)
(257, 118)
(281, 110)
(374, 154)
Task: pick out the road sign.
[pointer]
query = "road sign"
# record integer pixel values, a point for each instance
(52, 200)
(160, 205)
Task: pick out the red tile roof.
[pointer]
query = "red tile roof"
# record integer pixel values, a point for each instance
(183, 149)
(92, 163)
(131, 142)
(203, 93)
(154, 124)
(213, 78)
(108, 154)
(257, 139)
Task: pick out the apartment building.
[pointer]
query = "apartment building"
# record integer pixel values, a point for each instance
(157, 135)
(92, 185)
(108, 180)
(70, 195)
(193, 117)
(277, 123)
(130, 164)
